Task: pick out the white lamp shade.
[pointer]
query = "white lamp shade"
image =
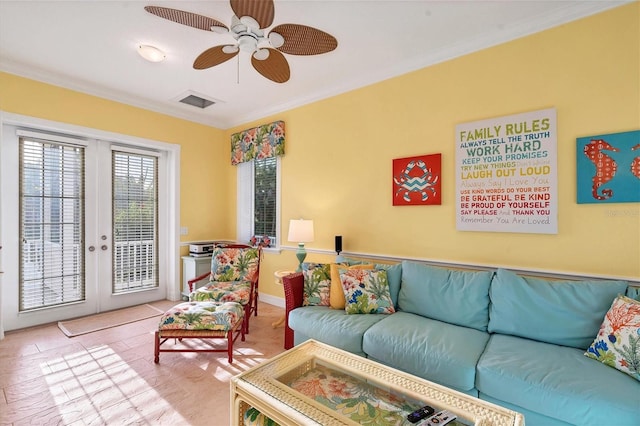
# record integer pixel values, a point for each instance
(300, 231)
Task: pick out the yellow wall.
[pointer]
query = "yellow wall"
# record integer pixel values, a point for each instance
(339, 151)
(204, 150)
(337, 167)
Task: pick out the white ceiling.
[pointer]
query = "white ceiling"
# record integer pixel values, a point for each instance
(90, 46)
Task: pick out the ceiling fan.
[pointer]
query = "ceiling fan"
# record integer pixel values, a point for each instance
(248, 28)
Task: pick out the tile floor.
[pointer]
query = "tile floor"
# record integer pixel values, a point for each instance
(109, 378)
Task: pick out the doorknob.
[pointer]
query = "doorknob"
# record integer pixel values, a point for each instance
(104, 247)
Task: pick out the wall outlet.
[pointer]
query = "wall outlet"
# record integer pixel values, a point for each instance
(184, 230)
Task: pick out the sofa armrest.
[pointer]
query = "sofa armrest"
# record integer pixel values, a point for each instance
(293, 290)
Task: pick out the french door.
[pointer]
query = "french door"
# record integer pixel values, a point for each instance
(123, 244)
(88, 235)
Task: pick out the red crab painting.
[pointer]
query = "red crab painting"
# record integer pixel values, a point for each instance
(416, 180)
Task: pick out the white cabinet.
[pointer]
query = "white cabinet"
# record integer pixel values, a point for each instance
(191, 268)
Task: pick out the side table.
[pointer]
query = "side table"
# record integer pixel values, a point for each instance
(193, 267)
(278, 276)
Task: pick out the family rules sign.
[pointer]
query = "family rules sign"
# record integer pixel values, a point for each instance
(506, 174)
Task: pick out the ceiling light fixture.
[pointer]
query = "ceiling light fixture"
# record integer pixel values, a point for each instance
(151, 53)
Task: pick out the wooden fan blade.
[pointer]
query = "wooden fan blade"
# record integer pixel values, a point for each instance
(275, 67)
(186, 18)
(262, 11)
(304, 40)
(212, 57)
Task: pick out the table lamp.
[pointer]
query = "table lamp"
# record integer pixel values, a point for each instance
(300, 231)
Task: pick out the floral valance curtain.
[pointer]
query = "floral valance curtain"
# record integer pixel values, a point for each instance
(260, 142)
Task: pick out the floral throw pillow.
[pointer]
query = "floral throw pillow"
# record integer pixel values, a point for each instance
(336, 295)
(317, 284)
(618, 341)
(366, 291)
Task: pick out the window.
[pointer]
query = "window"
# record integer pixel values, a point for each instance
(259, 200)
(265, 198)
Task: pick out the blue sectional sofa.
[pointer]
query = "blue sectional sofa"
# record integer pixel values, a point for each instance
(514, 340)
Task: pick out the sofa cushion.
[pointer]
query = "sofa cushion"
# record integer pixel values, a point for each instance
(618, 341)
(366, 291)
(336, 294)
(530, 417)
(567, 313)
(394, 276)
(633, 292)
(437, 351)
(557, 381)
(456, 297)
(332, 326)
(317, 284)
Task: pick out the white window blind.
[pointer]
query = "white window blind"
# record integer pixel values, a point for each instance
(258, 199)
(135, 221)
(51, 223)
(265, 198)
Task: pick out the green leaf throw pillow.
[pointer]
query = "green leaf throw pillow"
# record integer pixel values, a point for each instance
(317, 284)
(618, 341)
(366, 291)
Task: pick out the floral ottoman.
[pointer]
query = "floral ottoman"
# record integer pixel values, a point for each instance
(203, 321)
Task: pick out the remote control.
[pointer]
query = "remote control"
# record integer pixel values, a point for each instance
(420, 414)
(441, 418)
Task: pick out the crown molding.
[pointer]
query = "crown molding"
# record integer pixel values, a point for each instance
(572, 11)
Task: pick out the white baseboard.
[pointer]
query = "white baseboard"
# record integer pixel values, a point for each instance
(272, 300)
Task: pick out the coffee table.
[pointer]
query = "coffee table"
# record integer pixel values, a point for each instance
(289, 389)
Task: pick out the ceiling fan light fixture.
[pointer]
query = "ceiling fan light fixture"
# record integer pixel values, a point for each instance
(151, 53)
(229, 49)
(249, 22)
(247, 43)
(261, 54)
(219, 30)
(276, 39)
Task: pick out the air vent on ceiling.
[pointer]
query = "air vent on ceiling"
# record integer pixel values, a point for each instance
(196, 100)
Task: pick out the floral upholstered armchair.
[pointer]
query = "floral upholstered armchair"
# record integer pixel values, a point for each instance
(234, 276)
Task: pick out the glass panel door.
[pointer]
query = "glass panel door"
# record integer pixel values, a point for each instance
(128, 247)
(88, 223)
(87, 234)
